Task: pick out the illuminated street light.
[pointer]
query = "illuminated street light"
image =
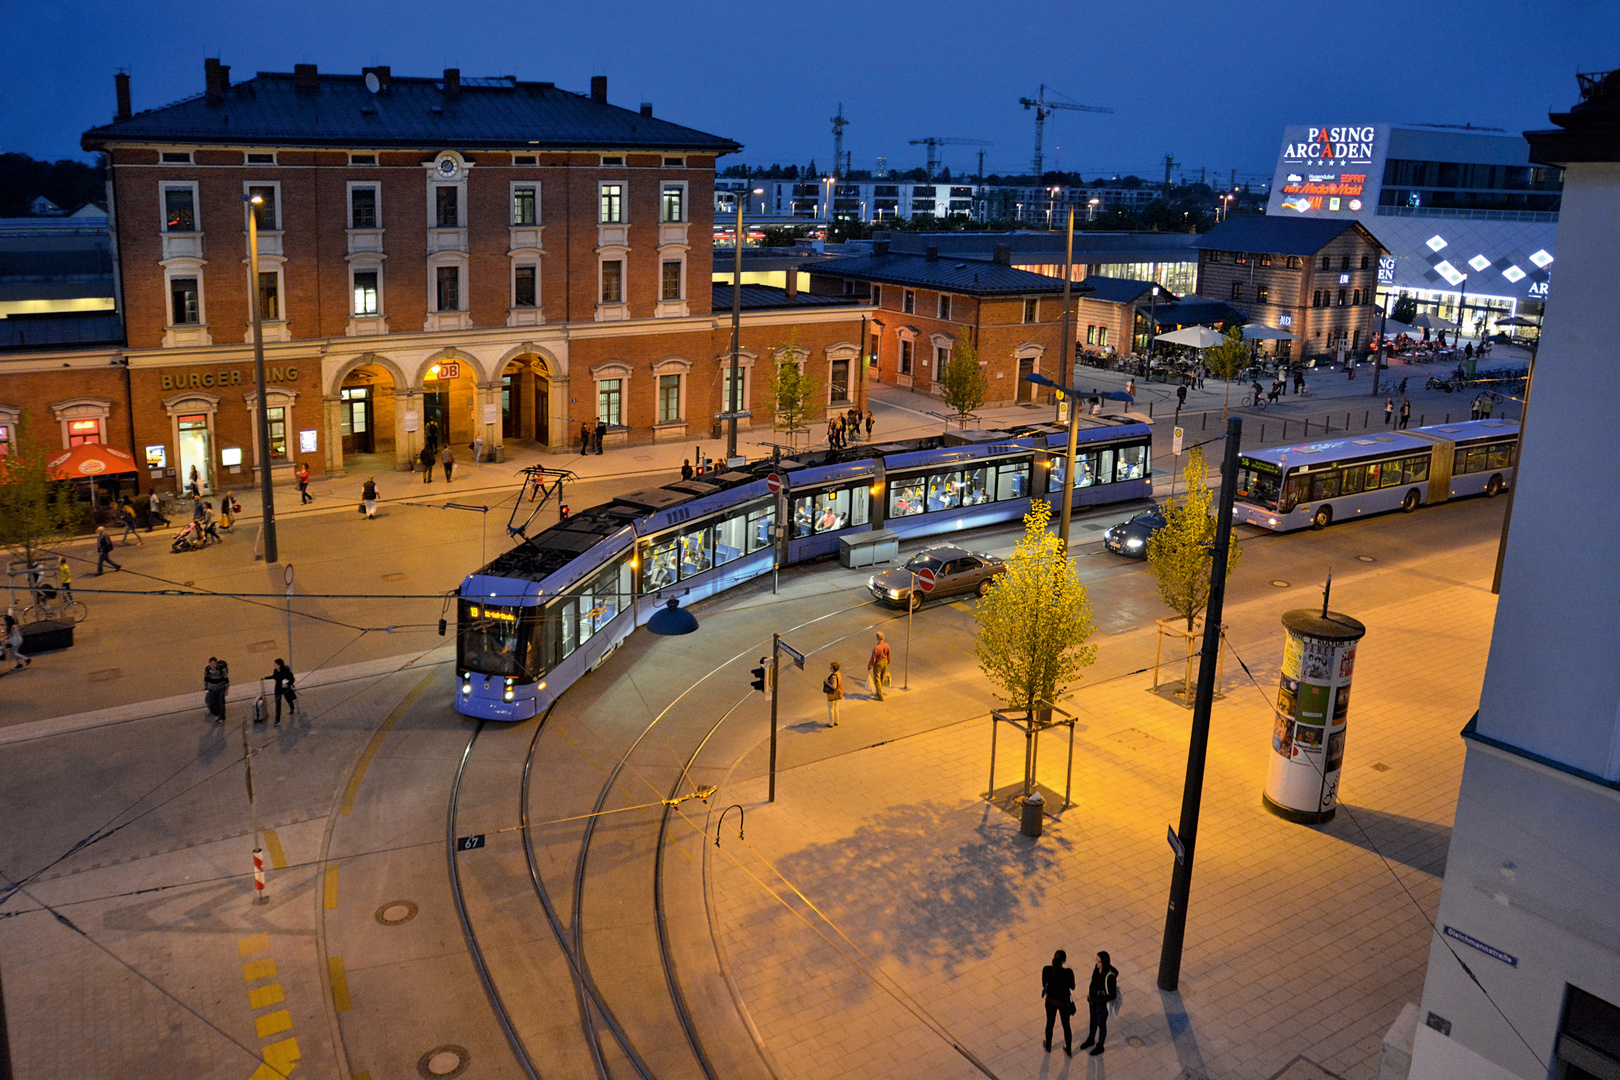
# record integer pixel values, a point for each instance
(1091, 209)
(266, 493)
(733, 403)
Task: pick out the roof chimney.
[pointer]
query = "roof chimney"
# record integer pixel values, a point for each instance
(305, 78)
(121, 81)
(218, 78)
(646, 108)
(931, 254)
(599, 88)
(1002, 254)
(452, 82)
(791, 284)
(880, 247)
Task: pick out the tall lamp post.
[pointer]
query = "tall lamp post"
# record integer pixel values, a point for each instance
(266, 493)
(1068, 468)
(1066, 372)
(733, 399)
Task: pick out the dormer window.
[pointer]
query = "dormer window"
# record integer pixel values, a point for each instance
(612, 160)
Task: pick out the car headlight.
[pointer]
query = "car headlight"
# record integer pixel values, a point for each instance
(895, 594)
(1134, 542)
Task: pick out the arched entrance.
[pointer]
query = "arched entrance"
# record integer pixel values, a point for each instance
(525, 396)
(367, 409)
(450, 402)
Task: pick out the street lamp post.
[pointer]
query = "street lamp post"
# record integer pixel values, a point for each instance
(1153, 324)
(733, 397)
(1091, 209)
(1066, 372)
(266, 492)
(1068, 468)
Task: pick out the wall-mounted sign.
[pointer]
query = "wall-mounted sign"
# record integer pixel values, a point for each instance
(413, 420)
(231, 457)
(306, 442)
(157, 457)
(1329, 171)
(492, 413)
(1349, 145)
(208, 380)
(1386, 269)
(448, 369)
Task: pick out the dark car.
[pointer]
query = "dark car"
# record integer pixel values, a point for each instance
(1130, 538)
(956, 571)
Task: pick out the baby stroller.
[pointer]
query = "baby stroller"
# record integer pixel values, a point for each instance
(191, 538)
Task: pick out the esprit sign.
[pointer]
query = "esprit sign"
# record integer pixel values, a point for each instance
(1333, 146)
(206, 380)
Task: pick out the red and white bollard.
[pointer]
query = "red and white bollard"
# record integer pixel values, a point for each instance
(258, 877)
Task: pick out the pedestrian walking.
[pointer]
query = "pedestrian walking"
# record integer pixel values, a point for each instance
(104, 548)
(216, 683)
(478, 449)
(13, 642)
(1485, 405)
(833, 687)
(584, 437)
(194, 484)
(869, 426)
(126, 518)
(1406, 414)
(1299, 380)
(282, 678)
(368, 493)
(878, 665)
(64, 578)
(1389, 410)
(1057, 988)
(447, 458)
(304, 497)
(1473, 408)
(1130, 387)
(432, 437)
(1181, 396)
(686, 469)
(1102, 993)
(601, 434)
(154, 512)
(1400, 391)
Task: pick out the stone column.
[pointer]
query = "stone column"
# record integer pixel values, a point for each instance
(407, 436)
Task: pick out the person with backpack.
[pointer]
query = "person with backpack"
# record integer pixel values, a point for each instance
(1057, 988)
(282, 678)
(104, 549)
(1102, 995)
(126, 518)
(368, 494)
(427, 458)
(833, 687)
(216, 684)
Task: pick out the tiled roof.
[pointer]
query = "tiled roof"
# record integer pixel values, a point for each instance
(755, 297)
(1283, 235)
(973, 277)
(1112, 290)
(270, 110)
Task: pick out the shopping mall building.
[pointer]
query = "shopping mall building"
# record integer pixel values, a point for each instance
(1467, 218)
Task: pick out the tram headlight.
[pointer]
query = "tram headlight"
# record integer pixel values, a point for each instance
(510, 692)
(466, 685)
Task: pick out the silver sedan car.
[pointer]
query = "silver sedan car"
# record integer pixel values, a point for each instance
(957, 571)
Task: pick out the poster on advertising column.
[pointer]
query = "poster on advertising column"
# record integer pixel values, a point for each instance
(1313, 705)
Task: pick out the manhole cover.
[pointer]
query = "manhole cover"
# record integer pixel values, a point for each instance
(1379, 766)
(443, 1061)
(1366, 558)
(1134, 1042)
(1280, 583)
(395, 912)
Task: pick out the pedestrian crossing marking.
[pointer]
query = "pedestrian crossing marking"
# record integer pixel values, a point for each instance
(272, 843)
(273, 1023)
(340, 983)
(259, 969)
(260, 996)
(279, 1058)
(330, 900)
(257, 943)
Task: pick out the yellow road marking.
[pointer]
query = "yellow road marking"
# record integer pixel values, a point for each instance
(330, 900)
(257, 943)
(278, 1060)
(258, 969)
(273, 1023)
(353, 790)
(272, 842)
(260, 996)
(340, 983)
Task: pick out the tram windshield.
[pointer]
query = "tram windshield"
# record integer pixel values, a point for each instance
(495, 640)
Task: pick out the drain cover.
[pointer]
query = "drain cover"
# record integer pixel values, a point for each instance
(1379, 766)
(1134, 1042)
(443, 1061)
(1280, 583)
(395, 912)
(1366, 558)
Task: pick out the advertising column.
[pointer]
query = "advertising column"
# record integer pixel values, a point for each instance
(1313, 703)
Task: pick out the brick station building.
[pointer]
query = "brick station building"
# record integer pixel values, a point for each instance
(446, 255)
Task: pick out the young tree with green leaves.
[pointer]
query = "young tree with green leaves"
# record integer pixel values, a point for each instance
(1405, 309)
(963, 381)
(1034, 620)
(790, 388)
(1227, 361)
(34, 509)
(1179, 554)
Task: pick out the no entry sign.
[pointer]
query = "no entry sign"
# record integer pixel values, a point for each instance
(925, 580)
(774, 482)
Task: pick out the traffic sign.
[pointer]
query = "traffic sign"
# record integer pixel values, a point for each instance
(741, 414)
(1175, 443)
(925, 580)
(774, 482)
(289, 579)
(798, 657)
(1176, 844)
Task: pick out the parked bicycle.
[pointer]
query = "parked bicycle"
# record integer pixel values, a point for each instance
(55, 607)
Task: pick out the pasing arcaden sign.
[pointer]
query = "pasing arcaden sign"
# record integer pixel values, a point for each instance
(1329, 170)
(1332, 146)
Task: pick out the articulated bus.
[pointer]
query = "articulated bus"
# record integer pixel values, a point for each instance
(538, 617)
(1319, 483)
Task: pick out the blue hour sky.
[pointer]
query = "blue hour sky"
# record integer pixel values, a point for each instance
(1212, 84)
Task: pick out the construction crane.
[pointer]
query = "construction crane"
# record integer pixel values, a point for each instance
(839, 123)
(1043, 109)
(934, 142)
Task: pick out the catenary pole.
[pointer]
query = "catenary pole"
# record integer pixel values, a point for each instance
(774, 672)
(1175, 923)
(266, 492)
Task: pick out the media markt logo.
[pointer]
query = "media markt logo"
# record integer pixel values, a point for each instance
(1332, 146)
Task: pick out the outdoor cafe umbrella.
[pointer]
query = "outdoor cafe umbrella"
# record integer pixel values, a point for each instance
(1197, 337)
(87, 462)
(1425, 321)
(1261, 332)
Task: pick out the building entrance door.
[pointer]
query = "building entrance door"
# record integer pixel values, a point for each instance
(840, 381)
(196, 452)
(436, 411)
(356, 419)
(1026, 389)
(511, 410)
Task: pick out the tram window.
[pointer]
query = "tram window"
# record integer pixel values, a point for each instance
(1057, 465)
(860, 504)
(760, 521)
(497, 640)
(1293, 491)
(1324, 485)
(906, 497)
(1105, 467)
(570, 629)
(1500, 456)
(697, 546)
(1012, 481)
(1416, 468)
(1131, 462)
(729, 538)
(611, 589)
(658, 565)
(804, 521)
(831, 511)
(975, 486)
(1351, 484)
(945, 490)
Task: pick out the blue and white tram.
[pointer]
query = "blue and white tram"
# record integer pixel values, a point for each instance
(540, 616)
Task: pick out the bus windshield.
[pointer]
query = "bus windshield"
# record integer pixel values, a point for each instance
(496, 640)
(1259, 482)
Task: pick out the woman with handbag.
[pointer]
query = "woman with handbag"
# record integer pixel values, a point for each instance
(833, 687)
(1103, 993)
(1057, 987)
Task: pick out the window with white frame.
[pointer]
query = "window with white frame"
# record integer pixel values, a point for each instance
(672, 205)
(674, 162)
(669, 399)
(525, 285)
(944, 307)
(83, 433)
(277, 416)
(270, 295)
(612, 281)
(730, 400)
(1032, 310)
(610, 401)
(526, 204)
(180, 207)
(942, 356)
(265, 210)
(906, 347)
(261, 159)
(448, 288)
(670, 285)
(908, 301)
(612, 203)
(363, 209)
(185, 300)
(446, 206)
(367, 292)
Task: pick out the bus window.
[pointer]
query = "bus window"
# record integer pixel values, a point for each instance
(696, 546)
(1351, 482)
(1293, 491)
(860, 504)
(944, 491)
(729, 538)
(760, 520)
(906, 497)
(803, 519)
(975, 486)
(657, 565)
(1416, 468)
(1459, 463)
(832, 511)
(1499, 456)
(1477, 458)
(1131, 459)
(1012, 481)
(1324, 485)
(1373, 472)
(1392, 474)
